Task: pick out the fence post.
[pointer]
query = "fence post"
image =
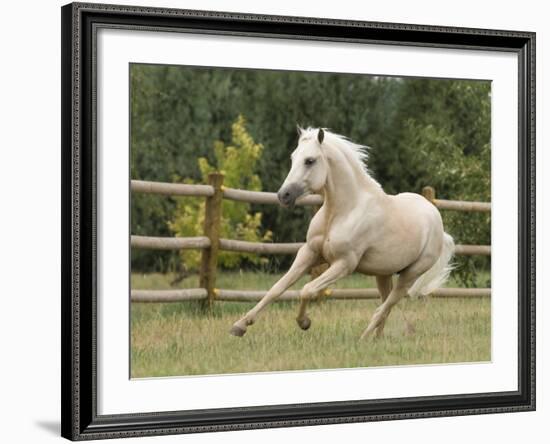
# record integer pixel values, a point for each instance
(212, 222)
(429, 193)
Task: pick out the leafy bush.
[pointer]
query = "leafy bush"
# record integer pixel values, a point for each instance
(237, 162)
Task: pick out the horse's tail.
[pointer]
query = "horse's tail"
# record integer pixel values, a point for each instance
(436, 276)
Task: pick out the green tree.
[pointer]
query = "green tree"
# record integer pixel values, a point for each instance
(447, 142)
(237, 162)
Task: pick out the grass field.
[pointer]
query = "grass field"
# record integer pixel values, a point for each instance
(169, 339)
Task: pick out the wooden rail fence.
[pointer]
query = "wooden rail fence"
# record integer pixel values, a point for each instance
(211, 244)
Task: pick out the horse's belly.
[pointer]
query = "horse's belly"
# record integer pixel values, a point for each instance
(377, 268)
(384, 263)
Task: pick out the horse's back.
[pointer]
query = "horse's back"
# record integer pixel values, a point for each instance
(422, 215)
(416, 206)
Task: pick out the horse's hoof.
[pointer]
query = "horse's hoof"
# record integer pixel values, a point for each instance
(304, 323)
(237, 331)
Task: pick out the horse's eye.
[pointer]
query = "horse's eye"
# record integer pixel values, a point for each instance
(309, 161)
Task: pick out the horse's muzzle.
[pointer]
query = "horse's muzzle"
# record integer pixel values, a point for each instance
(287, 195)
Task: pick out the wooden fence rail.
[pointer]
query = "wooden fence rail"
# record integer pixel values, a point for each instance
(290, 295)
(170, 243)
(211, 243)
(171, 189)
(189, 294)
(203, 242)
(260, 247)
(263, 197)
(473, 250)
(458, 205)
(269, 198)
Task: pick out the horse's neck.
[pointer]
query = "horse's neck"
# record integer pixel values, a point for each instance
(347, 185)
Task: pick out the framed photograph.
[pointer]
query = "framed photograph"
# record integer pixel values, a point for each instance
(273, 221)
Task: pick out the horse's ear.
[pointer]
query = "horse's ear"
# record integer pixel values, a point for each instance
(320, 135)
(299, 130)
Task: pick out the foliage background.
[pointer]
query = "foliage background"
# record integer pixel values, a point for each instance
(422, 132)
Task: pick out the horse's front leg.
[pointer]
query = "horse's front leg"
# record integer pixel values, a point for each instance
(385, 285)
(305, 259)
(337, 270)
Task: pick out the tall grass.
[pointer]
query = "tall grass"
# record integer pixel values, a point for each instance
(169, 339)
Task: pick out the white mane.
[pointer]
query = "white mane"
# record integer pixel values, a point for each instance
(357, 154)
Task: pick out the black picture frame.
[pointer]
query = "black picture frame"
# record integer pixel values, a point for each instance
(78, 331)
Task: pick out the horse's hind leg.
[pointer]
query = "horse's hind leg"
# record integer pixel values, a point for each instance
(384, 284)
(404, 282)
(381, 313)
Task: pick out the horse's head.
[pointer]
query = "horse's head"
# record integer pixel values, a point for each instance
(309, 169)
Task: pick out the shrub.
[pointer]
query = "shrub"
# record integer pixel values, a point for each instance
(237, 161)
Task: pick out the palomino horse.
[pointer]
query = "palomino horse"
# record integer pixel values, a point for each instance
(358, 228)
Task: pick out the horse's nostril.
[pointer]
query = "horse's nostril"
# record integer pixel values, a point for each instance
(283, 195)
